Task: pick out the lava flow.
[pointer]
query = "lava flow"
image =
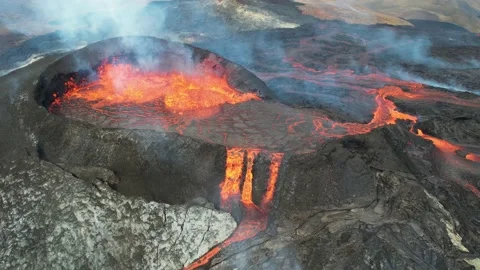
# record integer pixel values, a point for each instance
(197, 95)
(473, 157)
(256, 217)
(447, 147)
(443, 145)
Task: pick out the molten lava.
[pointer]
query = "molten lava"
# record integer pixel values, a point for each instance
(443, 145)
(272, 180)
(256, 217)
(473, 189)
(248, 183)
(176, 92)
(473, 157)
(230, 187)
(447, 147)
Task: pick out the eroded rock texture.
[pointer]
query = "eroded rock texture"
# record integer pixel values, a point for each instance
(52, 220)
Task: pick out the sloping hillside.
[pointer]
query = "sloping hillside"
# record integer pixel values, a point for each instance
(465, 13)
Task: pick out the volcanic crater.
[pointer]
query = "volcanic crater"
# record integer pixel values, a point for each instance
(225, 134)
(314, 160)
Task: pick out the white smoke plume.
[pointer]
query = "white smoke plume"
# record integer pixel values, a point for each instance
(33, 17)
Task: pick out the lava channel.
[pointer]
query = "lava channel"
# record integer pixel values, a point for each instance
(256, 216)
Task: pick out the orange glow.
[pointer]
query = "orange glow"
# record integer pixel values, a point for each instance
(293, 122)
(473, 189)
(248, 184)
(473, 157)
(179, 93)
(255, 218)
(443, 145)
(272, 180)
(386, 113)
(230, 187)
(205, 258)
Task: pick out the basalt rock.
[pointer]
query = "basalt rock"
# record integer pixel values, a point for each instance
(63, 222)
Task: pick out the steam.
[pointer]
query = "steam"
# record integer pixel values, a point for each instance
(452, 85)
(70, 17)
(415, 50)
(72, 25)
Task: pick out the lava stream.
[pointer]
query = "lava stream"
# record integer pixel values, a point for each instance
(443, 145)
(256, 217)
(248, 183)
(473, 189)
(473, 157)
(447, 147)
(230, 187)
(451, 149)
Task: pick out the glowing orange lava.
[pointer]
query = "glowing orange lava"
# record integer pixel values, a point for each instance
(473, 157)
(272, 180)
(386, 113)
(248, 183)
(255, 218)
(230, 187)
(443, 145)
(179, 93)
(383, 88)
(473, 189)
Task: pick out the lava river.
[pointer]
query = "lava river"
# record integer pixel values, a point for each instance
(256, 216)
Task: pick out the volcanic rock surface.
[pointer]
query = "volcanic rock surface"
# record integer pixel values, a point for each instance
(67, 223)
(376, 165)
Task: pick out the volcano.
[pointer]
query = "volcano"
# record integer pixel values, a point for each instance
(296, 144)
(175, 88)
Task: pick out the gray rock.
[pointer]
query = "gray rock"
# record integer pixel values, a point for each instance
(51, 220)
(92, 174)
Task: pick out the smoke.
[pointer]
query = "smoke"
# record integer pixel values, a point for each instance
(77, 23)
(121, 17)
(452, 85)
(415, 50)
(61, 26)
